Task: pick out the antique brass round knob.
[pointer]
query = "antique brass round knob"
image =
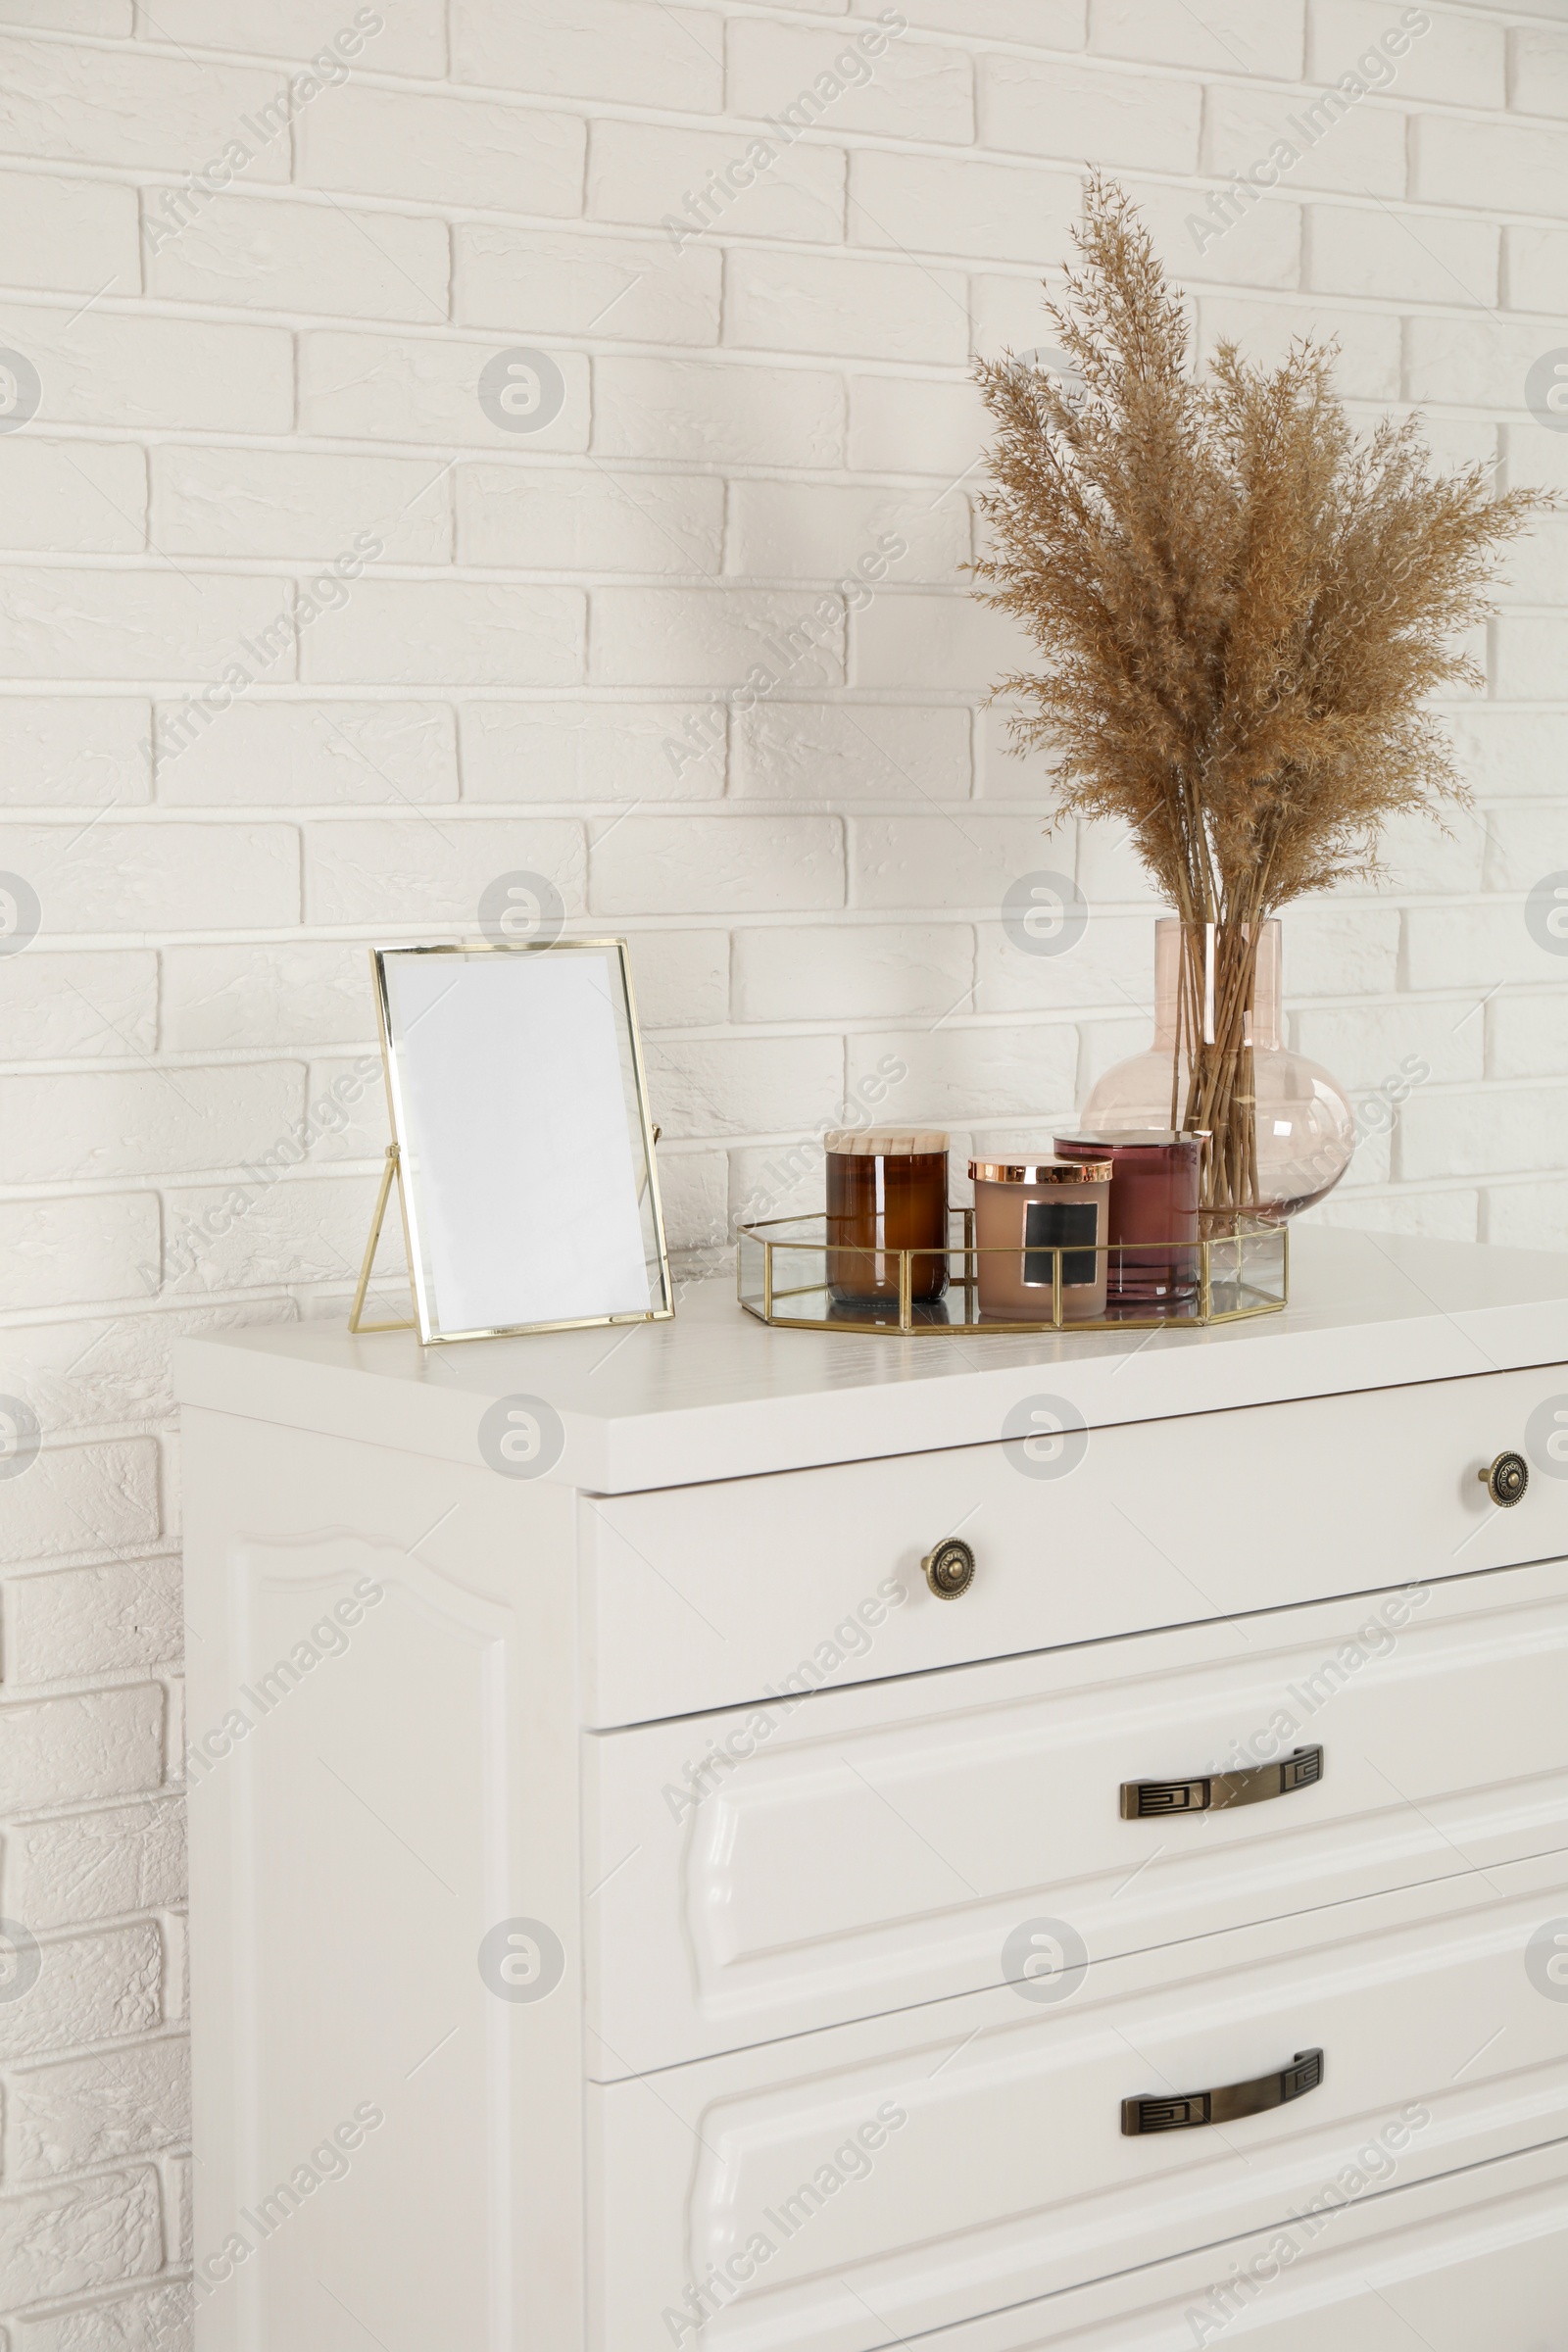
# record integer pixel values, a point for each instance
(1506, 1479)
(950, 1569)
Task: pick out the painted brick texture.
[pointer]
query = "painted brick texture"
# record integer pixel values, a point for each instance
(307, 633)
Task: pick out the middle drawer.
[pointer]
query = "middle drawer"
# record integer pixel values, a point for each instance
(779, 1868)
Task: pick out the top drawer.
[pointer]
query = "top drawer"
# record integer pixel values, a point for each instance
(698, 1597)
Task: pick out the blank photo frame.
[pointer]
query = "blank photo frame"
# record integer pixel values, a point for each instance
(524, 1151)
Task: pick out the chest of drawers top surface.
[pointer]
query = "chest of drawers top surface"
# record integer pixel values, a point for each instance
(715, 1395)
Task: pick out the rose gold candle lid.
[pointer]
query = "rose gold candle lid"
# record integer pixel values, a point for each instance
(884, 1142)
(1040, 1170)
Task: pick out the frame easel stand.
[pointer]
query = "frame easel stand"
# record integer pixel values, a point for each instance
(391, 1175)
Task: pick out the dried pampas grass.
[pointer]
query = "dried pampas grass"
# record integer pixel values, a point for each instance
(1241, 610)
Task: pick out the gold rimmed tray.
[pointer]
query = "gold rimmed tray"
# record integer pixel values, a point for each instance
(783, 1278)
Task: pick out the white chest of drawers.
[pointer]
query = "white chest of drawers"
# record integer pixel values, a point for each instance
(631, 1909)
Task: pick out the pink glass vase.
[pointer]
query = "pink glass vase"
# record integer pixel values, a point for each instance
(1281, 1130)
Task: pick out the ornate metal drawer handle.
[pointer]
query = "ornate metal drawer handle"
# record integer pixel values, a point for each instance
(1140, 1801)
(950, 1568)
(1189, 2111)
(1506, 1479)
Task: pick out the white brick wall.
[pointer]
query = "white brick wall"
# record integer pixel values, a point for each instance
(540, 668)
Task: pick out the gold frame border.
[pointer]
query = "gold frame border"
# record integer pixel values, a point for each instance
(395, 1151)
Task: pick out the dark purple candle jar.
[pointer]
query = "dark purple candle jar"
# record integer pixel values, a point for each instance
(1153, 1211)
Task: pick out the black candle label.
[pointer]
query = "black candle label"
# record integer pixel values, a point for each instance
(1056, 1225)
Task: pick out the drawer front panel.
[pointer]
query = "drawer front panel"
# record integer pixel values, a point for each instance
(1473, 2264)
(775, 1870)
(837, 2191)
(701, 1597)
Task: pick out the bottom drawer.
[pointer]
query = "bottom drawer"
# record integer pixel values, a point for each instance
(1477, 2262)
(844, 2189)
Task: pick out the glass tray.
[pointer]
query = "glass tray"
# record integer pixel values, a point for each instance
(782, 1279)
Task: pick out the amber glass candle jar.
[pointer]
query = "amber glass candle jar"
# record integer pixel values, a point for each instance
(1026, 1209)
(1154, 1210)
(886, 1193)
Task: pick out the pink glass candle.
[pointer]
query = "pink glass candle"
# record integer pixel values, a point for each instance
(1026, 1210)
